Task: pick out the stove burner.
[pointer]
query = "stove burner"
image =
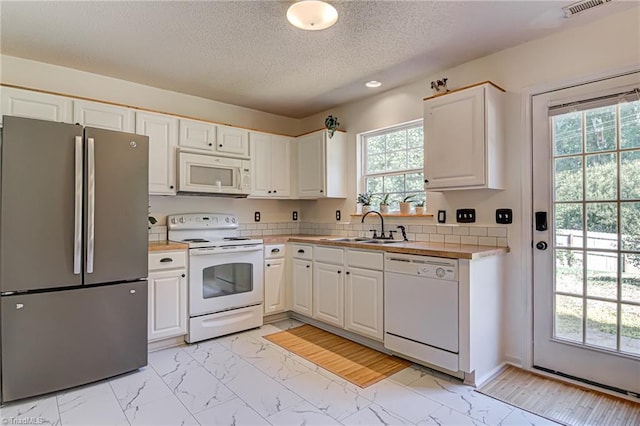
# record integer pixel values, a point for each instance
(195, 240)
(236, 238)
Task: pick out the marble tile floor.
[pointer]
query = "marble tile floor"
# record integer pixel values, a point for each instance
(243, 379)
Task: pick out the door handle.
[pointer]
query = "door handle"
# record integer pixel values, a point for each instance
(541, 245)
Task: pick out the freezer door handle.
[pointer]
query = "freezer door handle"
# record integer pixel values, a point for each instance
(77, 227)
(91, 203)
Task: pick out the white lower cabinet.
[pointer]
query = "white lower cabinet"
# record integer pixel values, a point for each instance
(167, 295)
(301, 279)
(328, 293)
(274, 279)
(363, 302)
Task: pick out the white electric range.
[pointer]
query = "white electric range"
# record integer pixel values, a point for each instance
(226, 284)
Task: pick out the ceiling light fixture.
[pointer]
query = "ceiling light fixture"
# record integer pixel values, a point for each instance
(373, 83)
(312, 15)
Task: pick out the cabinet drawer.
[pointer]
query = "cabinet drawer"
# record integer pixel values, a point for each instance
(167, 260)
(301, 251)
(365, 259)
(329, 255)
(273, 251)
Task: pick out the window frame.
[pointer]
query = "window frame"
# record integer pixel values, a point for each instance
(362, 154)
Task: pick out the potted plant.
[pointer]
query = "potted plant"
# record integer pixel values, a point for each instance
(384, 203)
(405, 205)
(419, 207)
(365, 201)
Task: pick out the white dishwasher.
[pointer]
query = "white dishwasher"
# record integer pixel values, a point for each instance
(421, 308)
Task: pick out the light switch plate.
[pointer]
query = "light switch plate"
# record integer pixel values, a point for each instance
(294, 216)
(466, 215)
(256, 216)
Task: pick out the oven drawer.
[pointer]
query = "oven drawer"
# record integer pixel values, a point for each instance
(273, 251)
(302, 251)
(167, 260)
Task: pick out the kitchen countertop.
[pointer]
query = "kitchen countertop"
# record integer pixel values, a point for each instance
(167, 245)
(421, 248)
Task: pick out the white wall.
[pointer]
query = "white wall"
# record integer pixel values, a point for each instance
(602, 47)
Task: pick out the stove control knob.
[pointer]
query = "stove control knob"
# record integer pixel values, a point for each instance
(440, 273)
(181, 220)
(173, 220)
(226, 219)
(233, 220)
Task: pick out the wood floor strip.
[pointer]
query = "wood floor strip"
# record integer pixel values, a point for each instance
(559, 401)
(352, 361)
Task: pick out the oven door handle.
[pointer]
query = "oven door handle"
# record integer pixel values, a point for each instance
(224, 249)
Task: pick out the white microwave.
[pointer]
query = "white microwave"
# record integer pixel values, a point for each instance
(210, 174)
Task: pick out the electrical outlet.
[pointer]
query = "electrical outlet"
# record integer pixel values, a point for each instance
(294, 216)
(338, 215)
(256, 216)
(466, 215)
(504, 216)
(442, 216)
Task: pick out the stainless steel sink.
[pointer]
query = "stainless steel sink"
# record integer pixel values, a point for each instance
(365, 240)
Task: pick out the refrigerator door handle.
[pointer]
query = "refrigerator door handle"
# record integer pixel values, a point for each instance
(77, 228)
(91, 203)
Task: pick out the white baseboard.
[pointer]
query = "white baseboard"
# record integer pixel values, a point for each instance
(165, 343)
(491, 374)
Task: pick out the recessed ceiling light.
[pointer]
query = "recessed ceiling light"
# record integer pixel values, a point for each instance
(373, 83)
(312, 15)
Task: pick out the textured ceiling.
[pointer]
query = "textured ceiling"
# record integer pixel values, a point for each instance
(245, 52)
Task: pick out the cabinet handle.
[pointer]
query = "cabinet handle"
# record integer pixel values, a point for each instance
(339, 271)
(275, 250)
(426, 181)
(269, 192)
(300, 251)
(308, 266)
(274, 191)
(210, 144)
(268, 264)
(220, 145)
(171, 187)
(347, 272)
(183, 275)
(321, 190)
(166, 259)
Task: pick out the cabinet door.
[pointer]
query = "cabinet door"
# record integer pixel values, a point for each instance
(167, 304)
(328, 293)
(261, 165)
(232, 140)
(311, 165)
(103, 116)
(274, 286)
(301, 277)
(454, 130)
(197, 134)
(280, 166)
(163, 139)
(363, 302)
(29, 104)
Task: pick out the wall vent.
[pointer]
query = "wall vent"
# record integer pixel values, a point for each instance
(582, 6)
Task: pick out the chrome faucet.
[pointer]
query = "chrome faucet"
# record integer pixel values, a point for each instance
(382, 236)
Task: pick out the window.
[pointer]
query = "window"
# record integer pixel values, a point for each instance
(392, 162)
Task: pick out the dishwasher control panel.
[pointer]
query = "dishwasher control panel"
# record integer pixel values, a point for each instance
(422, 266)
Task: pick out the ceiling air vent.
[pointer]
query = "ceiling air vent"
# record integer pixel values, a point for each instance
(582, 6)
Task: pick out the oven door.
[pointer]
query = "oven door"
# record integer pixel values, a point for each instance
(222, 278)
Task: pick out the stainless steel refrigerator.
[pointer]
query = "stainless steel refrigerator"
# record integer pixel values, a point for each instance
(73, 255)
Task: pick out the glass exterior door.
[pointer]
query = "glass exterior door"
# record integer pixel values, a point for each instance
(587, 283)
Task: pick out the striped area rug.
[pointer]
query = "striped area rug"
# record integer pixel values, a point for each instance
(559, 401)
(352, 361)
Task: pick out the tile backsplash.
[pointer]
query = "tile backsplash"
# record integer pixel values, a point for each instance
(496, 236)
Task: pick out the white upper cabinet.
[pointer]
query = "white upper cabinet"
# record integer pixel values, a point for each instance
(322, 165)
(271, 165)
(197, 134)
(463, 141)
(233, 141)
(163, 140)
(103, 116)
(29, 104)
